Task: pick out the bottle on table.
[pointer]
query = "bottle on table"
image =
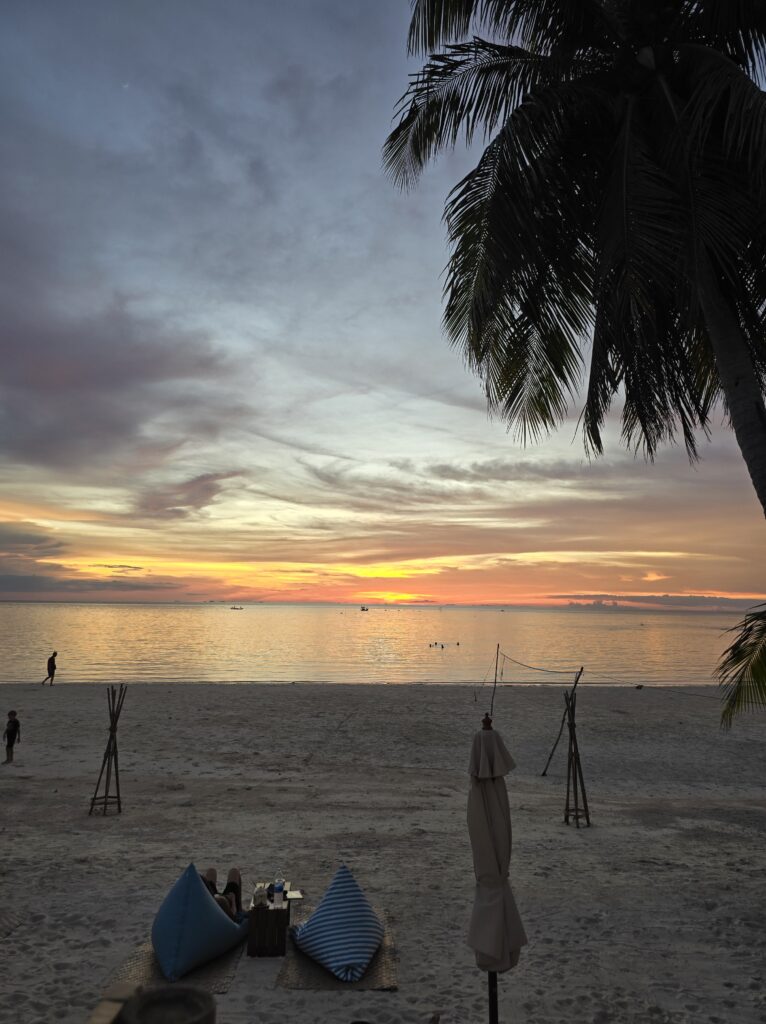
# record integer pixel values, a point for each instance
(279, 893)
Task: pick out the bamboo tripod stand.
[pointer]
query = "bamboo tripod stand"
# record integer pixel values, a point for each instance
(575, 780)
(574, 770)
(563, 720)
(110, 763)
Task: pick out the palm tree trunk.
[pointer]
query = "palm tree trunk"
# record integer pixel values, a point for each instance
(738, 380)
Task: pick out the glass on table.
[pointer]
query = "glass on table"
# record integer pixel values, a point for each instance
(279, 892)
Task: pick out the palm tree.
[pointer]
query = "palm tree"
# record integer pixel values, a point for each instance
(613, 232)
(743, 666)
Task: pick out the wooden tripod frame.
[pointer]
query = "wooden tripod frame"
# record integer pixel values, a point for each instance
(563, 719)
(574, 770)
(110, 763)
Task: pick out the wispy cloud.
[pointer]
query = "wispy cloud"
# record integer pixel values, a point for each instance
(116, 568)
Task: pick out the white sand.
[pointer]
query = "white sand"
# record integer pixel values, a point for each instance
(655, 914)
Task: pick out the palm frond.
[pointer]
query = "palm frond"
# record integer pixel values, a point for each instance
(727, 213)
(506, 237)
(545, 25)
(742, 669)
(667, 388)
(745, 296)
(469, 86)
(725, 102)
(516, 211)
(558, 26)
(520, 276)
(604, 376)
(643, 337)
(735, 27)
(532, 369)
(435, 23)
(639, 224)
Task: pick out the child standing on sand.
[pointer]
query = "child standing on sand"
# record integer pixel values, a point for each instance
(11, 735)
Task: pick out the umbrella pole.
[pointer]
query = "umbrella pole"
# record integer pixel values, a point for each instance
(492, 983)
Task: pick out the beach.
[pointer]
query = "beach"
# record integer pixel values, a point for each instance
(654, 914)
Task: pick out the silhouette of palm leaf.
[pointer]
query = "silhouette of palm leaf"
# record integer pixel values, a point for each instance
(742, 669)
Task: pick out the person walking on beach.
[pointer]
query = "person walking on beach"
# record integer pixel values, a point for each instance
(51, 669)
(11, 735)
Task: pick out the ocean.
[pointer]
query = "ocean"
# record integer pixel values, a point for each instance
(100, 643)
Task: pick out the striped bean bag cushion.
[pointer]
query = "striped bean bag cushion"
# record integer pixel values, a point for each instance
(344, 931)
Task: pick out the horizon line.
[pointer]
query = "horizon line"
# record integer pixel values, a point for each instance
(641, 603)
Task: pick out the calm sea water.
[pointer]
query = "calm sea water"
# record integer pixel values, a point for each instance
(339, 643)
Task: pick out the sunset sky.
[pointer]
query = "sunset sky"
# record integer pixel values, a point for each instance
(223, 372)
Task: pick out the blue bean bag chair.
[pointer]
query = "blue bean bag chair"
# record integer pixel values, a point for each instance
(344, 931)
(190, 928)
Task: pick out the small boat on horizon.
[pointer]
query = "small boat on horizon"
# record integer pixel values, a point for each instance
(236, 608)
(364, 608)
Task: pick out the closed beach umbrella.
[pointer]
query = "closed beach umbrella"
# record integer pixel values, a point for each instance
(495, 933)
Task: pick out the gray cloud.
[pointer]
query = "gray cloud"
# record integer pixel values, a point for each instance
(79, 390)
(181, 499)
(42, 584)
(28, 540)
(84, 372)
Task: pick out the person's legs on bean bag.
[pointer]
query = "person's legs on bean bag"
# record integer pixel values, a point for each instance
(233, 888)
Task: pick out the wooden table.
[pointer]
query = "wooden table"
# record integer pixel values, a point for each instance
(268, 930)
